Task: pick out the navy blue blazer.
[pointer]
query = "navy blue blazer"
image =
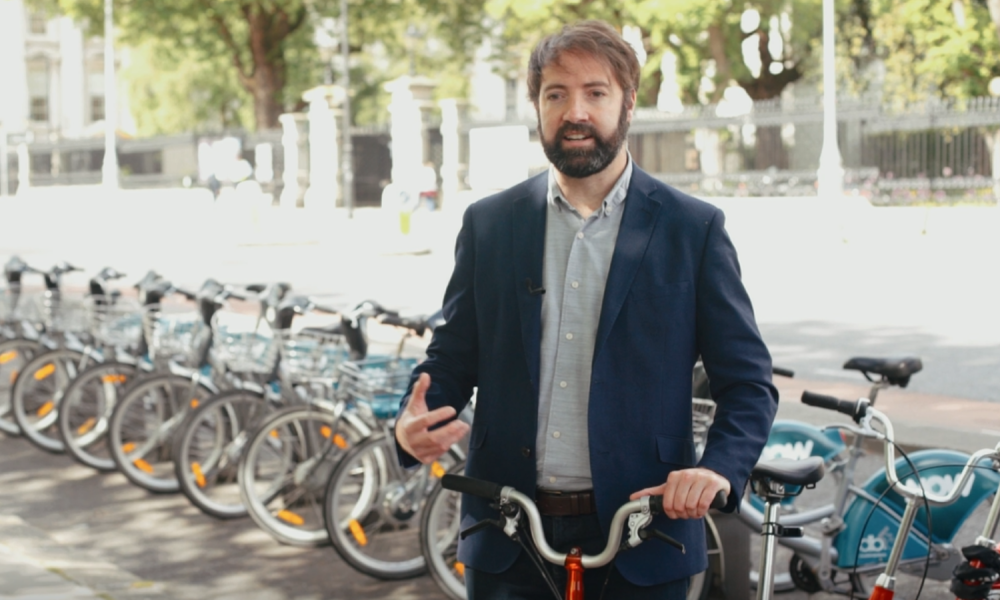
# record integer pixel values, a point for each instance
(673, 293)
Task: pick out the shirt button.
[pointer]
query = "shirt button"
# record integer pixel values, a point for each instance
(569, 336)
(552, 479)
(563, 384)
(579, 236)
(575, 284)
(526, 452)
(555, 434)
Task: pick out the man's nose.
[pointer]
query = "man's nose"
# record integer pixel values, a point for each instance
(576, 109)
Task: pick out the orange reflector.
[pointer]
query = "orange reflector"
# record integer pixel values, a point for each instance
(340, 441)
(199, 477)
(87, 426)
(6, 357)
(128, 447)
(460, 568)
(13, 376)
(274, 433)
(143, 465)
(289, 517)
(113, 379)
(45, 371)
(437, 470)
(194, 403)
(46, 408)
(325, 431)
(358, 532)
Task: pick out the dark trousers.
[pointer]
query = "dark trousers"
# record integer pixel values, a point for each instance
(524, 582)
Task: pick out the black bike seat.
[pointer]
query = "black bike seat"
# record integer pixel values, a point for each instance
(896, 370)
(791, 472)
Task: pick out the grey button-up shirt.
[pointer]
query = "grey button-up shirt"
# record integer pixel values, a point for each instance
(578, 255)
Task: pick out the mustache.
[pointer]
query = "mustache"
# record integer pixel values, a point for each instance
(576, 129)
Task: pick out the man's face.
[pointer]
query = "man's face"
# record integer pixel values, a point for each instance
(583, 116)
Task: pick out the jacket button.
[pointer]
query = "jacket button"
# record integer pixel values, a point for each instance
(526, 452)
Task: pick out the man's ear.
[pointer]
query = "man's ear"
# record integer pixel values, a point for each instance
(632, 96)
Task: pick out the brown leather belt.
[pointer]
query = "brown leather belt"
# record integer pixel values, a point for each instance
(566, 504)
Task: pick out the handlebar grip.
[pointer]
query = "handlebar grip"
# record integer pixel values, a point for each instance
(187, 294)
(656, 502)
(855, 410)
(783, 372)
(468, 485)
(393, 319)
(325, 309)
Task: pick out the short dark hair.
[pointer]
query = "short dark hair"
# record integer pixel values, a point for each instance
(594, 38)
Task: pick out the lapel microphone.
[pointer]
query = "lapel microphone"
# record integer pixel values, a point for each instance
(534, 291)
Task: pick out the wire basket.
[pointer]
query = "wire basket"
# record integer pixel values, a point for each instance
(310, 355)
(173, 331)
(62, 314)
(19, 306)
(703, 414)
(376, 383)
(117, 323)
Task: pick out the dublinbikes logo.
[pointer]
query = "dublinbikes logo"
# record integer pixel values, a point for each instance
(791, 450)
(940, 485)
(876, 546)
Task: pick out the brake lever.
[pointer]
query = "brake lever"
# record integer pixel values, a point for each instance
(477, 527)
(645, 534)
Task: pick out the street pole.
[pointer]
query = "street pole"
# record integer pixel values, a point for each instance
(831, 172)
(109, 171)
(347, 158)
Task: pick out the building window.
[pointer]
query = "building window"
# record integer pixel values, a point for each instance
(96, 108)
(38, 24)
(40, 109)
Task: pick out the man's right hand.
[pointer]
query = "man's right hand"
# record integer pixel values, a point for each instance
(412, 426)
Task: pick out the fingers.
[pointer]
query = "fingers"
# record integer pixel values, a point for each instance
(688, 493)
(428, 446)
(413, 426)
(418, 398)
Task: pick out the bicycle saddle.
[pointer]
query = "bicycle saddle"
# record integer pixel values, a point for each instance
(789, 471)
(896, 371)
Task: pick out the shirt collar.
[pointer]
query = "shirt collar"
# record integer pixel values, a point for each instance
(612, 201)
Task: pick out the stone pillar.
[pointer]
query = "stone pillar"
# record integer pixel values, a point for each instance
(410, 110)
(709, 146)
(295, 140)
(455, 147)
(324, 160)
(23, 168)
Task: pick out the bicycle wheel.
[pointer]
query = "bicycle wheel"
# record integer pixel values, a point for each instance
(14, 354)
(440, 525)
(86, 409)
(283, 474)
(373, 509)
(209, 446)
(38, 392)
(143, 424)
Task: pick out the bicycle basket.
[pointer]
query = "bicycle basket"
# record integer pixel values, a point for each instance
(307, 356)
(67, 314)
(172, 331)
(117, 324)
(378, 383)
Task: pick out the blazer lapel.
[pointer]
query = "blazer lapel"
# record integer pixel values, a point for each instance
(528, 230)
(641, 210)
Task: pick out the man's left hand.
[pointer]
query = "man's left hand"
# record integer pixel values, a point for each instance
(688, 493)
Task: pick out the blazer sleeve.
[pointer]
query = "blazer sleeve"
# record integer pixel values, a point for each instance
(452, 354)
(737, 362)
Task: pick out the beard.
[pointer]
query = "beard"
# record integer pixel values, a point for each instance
(579, 163)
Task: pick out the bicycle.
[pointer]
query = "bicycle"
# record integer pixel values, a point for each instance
(440, 520)
(513, 505)
(901, 508)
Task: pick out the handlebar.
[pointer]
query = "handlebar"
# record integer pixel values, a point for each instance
(783, 372)
(509, 498)
(863, 414)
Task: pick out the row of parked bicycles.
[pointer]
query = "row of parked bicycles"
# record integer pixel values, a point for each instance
(232, 396)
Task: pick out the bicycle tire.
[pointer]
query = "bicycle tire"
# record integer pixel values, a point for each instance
(208, 448)
(38, 392)
(140, 433)
(440, 525)
(14, 354)
(373, 509)
(284, 471)
(86, 409)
